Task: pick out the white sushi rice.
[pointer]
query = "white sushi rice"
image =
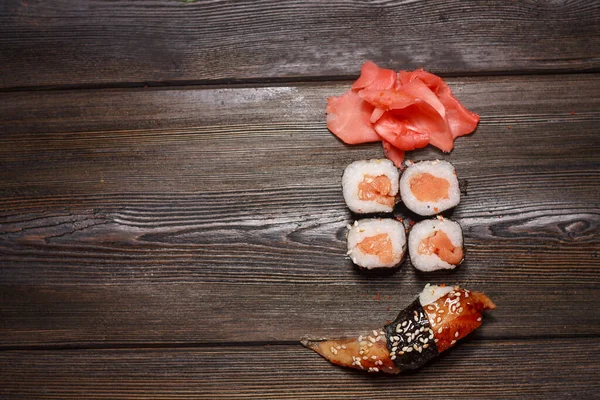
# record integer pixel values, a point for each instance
(355, 173)
(431, 293)
(366, 228)
(424, 229)
(439, 169)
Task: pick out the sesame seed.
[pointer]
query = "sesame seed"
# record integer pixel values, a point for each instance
(409, 349)
(440, 311)
(373, 357)
(398, 329)
(479, 319)
(457, 294)
(456, 334)
(420, 349)
(460, 310)
(431, 336)
(466, 294)
(375, 369)
(436, 340)
(338, 347)
(415, 346)
(365, 358)
(421, 340)
(401, 353)
(371, 339)
(404, 323)
(344, 347)
(438, 320)
(452, 342)
(431, 308)
(426, 340)
(360, 338)
(453, 308)
(394, 348)
(393, 358)
(361, 352)
(370, 344)
(426, 345)
(404, 348)
(375, 333)
(440, 330)
(422, 329)
(416, 318)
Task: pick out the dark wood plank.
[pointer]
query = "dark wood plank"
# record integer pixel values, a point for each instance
(69, 42)
(90, 315)
(223, 217)
(475, 369)
(192, 131)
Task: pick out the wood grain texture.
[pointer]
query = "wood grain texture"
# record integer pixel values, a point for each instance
(114, 230)
(474, 369)
(131, 140)
(71, 43)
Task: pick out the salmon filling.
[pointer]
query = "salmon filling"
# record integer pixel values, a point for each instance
(378, 245)
(439, 244)
(429, 188)
(376, 188)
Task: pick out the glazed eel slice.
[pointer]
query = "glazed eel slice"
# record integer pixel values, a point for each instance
(433, 323)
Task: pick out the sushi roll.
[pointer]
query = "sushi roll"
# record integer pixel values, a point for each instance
(433, 323)
(370, 186)
(429, 187)
(435, 244)
(377, 243)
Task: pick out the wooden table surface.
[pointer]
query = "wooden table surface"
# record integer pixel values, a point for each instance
(171, 218)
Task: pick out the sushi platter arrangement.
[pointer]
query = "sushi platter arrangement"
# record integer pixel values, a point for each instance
(414, 105)
(299, 200)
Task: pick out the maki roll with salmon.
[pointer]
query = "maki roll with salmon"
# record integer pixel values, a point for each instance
(370, 186)
(377, 243)
(430, 325)
(429, 187)
(435, 244)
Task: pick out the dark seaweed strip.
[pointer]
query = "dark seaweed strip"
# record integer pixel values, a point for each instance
(411, 331)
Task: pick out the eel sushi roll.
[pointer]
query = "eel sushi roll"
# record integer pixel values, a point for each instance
(435, 244)
(370, 186)
(433, 323)
(429, 187)
(377, 243)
